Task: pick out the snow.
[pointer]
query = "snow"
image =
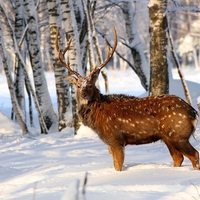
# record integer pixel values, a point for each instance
(53, 166)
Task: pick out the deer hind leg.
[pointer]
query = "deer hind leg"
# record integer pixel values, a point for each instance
(176, 155)
(190, 152)
(117, 153)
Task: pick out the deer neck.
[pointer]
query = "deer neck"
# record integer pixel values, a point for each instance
(87, 109)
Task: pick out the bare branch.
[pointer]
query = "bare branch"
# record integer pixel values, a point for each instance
(185, 88)
(184, 8)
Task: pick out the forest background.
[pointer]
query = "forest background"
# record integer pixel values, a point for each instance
(153, 37)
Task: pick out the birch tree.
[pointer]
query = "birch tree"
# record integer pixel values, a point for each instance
(6, 19)
(19, 75)
(7, 69)
(141, 66)
(33, 43)
(62, 87)
(71, 29)
(159, 80)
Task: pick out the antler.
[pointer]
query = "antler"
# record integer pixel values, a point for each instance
(61, 55)
(110, 52)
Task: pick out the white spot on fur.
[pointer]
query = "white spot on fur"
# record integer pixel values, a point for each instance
(144, 132)
(170, 134)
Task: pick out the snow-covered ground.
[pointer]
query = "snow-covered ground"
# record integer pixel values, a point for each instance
(52, 166)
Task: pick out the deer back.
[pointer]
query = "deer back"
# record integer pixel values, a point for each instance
(139, 120)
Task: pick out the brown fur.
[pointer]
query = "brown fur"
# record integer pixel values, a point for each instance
(120, 120)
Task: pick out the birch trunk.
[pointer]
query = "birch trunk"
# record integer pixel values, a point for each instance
(62, 87)
(33, 43)
(70, 26)
(141, 66)
(159, 80)
(28, 82)
(19, 75)
(19, 115)
(42, 11)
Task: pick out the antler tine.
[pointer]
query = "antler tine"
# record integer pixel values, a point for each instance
(62, 54)
(110, 50)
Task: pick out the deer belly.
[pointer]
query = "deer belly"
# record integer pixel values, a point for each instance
(139, 132)
(137, 138)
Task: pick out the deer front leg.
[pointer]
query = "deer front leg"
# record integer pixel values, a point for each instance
(176, 155)
(109, 150)
(117, 152)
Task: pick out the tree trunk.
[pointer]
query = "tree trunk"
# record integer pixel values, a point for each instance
(159, 80)
(70, 26)
(33, 43)
(141, 67)
(42, 11)
(62, 87)
(19, 74)
(19, 115)
(28, 82)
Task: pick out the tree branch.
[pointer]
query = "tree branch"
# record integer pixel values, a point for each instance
(185, 88)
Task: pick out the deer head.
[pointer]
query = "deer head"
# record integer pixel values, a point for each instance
(86, 89)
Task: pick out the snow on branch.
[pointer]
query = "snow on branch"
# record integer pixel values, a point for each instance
(184, 8)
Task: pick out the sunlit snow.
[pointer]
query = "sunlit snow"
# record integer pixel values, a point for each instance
(53, 166)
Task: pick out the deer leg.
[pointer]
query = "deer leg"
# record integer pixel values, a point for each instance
(190, 152)
(109, 150)
(176, 155)
(117, 153)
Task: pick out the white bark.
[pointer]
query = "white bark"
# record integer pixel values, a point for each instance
(19, 75)
(19, 114)
(62, 87)
(36, 62)
(71, 29)
(140, 62)
(29, 86)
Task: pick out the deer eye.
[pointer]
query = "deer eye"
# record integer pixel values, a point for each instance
(89, 86)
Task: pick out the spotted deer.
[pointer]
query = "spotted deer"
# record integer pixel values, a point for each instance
(121, 120)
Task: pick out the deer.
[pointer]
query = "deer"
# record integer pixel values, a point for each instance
(121, 120)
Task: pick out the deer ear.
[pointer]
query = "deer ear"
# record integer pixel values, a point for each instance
(71, 80)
